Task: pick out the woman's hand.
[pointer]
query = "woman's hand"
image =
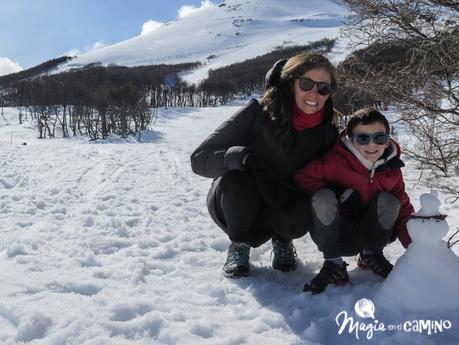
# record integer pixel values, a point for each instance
(236, 157)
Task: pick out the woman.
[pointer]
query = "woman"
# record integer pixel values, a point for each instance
(252, 158)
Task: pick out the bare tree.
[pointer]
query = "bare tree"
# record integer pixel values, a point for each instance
(2, 102)
(410, 58)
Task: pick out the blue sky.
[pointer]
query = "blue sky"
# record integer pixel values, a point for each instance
(33, 31)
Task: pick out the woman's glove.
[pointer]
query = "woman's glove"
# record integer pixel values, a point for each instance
(235, 157)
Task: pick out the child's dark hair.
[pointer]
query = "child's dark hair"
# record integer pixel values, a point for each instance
(366, 116)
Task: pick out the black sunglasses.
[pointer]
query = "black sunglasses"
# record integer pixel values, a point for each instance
(365, 138)
(307, 84)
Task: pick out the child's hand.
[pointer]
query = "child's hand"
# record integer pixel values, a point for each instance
(351, 203)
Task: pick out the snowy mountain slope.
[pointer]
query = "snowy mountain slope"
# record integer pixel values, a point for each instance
(232, 31)
(111, 244)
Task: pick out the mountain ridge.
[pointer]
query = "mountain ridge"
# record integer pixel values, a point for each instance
(232, 31)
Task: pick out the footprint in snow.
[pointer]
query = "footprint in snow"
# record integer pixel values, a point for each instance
(9, 182)
(126, 312)
(33, 327)
(76, 288)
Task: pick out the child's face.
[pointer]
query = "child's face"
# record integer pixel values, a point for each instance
(370, 151)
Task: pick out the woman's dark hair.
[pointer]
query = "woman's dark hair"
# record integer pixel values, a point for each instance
(279, 98)
(366, 116)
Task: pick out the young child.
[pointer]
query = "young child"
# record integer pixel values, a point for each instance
(358, 199)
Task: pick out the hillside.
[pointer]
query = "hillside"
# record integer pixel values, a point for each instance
(233, 31)
(35, 71)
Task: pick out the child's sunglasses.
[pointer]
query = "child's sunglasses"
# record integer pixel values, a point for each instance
(307, 84)
(365, 138)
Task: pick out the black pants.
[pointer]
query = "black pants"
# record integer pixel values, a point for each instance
(337, 234)
(237, 207)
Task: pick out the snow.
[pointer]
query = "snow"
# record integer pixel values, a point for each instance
(420, 266)
(430, 207)
(218, 36)
(111, 243)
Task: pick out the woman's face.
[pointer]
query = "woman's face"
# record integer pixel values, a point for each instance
(311, 101)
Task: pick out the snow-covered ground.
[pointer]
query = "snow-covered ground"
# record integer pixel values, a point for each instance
(111, 243)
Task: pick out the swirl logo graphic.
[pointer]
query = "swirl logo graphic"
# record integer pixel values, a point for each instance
(365, 308)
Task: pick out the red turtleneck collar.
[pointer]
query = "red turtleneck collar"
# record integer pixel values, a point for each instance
(301, 120)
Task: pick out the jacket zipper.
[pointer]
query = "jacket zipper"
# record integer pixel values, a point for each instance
(372, 172)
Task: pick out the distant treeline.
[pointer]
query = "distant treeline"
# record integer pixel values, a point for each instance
(33, 72)
(97, 100)
(95, 85)
(248, 77)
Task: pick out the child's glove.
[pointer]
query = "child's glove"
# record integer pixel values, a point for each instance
(351, 203)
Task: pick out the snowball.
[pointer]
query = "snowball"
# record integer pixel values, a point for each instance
(427, 231)
(430, 205)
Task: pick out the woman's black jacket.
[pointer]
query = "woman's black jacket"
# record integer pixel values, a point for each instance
(248, 131)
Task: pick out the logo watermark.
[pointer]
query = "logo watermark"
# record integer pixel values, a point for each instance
(365, 309)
